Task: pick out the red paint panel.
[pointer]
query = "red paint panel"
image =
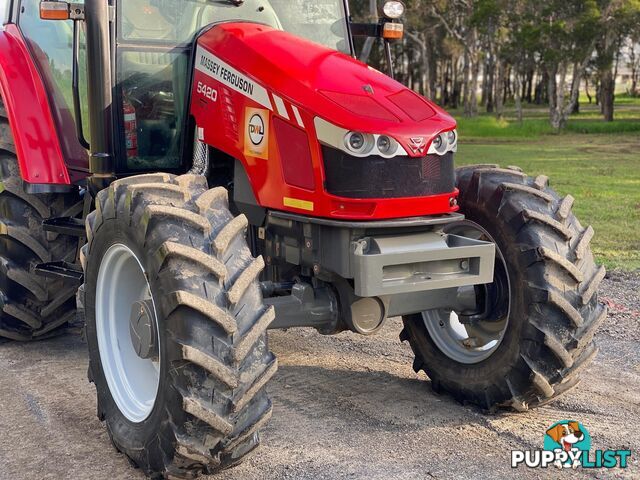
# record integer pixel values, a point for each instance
(37, 145)
(361, 105)
(413, 105)
(295, 156)
(249, 63)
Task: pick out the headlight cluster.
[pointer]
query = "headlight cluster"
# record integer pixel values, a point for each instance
(444, 143)
(361, 144)
(358, 144)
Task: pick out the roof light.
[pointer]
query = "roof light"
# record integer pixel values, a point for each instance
(393, 9)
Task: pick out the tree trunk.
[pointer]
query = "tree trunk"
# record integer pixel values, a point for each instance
(499, 89)
(586, 89)
(574, 98)
(475, 71)
(556, 95)
(455, 86)
(633, 67)
(542, 91)
(607, 90)
(466, 86)
(529, 92)
(488, 83)
(445, 84)
(517, 98)
(427, 81)
(507, 89)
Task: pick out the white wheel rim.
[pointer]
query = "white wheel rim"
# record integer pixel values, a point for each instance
(444, 326)
(133, 381)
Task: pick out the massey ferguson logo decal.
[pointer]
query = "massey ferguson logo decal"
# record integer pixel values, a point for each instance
(417, 144)
(224, 73)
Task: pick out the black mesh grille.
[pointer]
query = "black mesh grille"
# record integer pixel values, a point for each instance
(378, 177)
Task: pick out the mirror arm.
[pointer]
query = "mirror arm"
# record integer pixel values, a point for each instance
(389, 57)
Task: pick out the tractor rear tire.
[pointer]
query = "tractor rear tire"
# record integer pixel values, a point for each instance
(554, 308)
(31, 307)
(213, 359)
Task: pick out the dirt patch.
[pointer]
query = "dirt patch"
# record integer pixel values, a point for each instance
(621, 293)
(345, 407)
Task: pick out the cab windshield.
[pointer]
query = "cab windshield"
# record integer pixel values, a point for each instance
(177, 21)
(154, 44)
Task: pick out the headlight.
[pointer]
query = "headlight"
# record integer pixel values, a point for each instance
(444, 143)
(386, 145)
(393, 9)
(439, 144)
(358, 144)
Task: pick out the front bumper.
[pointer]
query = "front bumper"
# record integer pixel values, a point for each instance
(406, 263)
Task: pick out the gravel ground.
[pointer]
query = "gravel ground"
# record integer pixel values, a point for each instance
(345, 407)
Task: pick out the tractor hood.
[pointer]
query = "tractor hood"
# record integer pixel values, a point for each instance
(275, 66)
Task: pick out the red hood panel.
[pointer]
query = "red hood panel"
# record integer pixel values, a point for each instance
(326, 83)
(256, 94)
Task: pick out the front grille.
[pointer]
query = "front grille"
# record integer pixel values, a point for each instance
(378, 177)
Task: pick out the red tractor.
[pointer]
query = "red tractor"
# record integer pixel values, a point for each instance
(297, 187)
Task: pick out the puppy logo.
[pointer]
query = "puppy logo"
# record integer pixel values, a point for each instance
(567, 436)
(417, 145)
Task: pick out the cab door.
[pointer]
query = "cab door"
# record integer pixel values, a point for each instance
(50, 43)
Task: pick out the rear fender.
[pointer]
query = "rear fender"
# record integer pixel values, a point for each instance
(37, 145)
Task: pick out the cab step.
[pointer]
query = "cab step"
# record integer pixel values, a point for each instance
(69, 272)
(65, 225)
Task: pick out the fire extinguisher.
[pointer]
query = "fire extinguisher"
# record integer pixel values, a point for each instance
(130, 128)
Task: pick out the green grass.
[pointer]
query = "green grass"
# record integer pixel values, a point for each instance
(536, 122)
(600, 169)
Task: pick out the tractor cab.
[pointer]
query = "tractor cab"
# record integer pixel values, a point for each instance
(150, 63)
(154, 50)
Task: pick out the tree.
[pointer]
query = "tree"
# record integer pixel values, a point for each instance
(633, 55)
(521, 50)
(618, 20)
(567, 34)
(456, 17)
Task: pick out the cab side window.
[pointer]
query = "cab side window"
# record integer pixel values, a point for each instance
(5, 5)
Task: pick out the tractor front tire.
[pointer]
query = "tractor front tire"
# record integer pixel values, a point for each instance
(553, 307)
(213, 360)
(31, 307)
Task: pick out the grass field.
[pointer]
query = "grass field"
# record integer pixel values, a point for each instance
(596, 162)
